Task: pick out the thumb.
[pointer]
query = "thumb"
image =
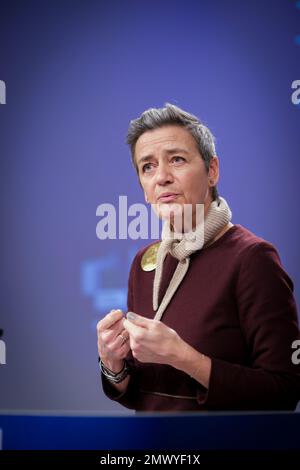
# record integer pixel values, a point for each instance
(138, 319)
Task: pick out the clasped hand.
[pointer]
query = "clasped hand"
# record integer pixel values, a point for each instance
(149, 340)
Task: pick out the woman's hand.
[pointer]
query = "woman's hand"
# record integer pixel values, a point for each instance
(153, 341)
(113, 340)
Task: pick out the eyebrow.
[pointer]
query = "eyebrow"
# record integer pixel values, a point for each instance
(146, 158)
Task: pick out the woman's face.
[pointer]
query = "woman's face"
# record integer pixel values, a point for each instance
(172, 172)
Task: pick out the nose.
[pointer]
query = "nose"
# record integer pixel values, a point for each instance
(164, 174)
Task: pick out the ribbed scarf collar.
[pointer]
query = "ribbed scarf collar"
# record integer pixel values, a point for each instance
(181, 247)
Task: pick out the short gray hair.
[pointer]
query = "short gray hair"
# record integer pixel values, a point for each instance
(153, 118)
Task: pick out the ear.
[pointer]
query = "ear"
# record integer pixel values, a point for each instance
(213, 172)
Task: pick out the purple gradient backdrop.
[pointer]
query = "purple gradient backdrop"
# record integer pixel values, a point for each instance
(76, 72)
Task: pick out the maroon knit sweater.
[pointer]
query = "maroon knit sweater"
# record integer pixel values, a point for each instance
(234, 305)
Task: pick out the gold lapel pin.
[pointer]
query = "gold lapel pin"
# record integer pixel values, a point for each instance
(148, 261)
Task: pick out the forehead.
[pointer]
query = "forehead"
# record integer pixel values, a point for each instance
(163, 138)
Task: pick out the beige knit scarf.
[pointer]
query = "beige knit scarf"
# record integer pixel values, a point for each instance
(218, 216)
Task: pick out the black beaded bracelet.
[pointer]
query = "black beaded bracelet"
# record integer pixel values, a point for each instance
(112, 376)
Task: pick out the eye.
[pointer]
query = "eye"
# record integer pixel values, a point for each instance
(178, 159)
(146, 168)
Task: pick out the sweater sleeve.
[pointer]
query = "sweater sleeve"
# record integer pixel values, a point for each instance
(129, 397)
(268, 318)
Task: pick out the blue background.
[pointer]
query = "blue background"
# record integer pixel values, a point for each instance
(76, 72)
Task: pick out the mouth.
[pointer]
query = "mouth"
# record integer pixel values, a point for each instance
(168, 197)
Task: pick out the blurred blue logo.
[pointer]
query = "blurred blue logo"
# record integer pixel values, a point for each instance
(104, 280)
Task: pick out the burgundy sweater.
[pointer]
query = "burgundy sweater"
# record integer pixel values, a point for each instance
(234, 305)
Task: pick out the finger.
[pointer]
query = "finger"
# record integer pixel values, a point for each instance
(119, 341)
(110, 319)
(138, 320)
(133, 329)
(122, 338)
(116, 328)
(125, 348)
(110, 334)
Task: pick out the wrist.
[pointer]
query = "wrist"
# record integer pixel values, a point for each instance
(182, 356)
(115, 377)
(187, 359)
(115, 365)
(195, 364)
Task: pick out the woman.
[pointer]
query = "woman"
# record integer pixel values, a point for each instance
(211, 318)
